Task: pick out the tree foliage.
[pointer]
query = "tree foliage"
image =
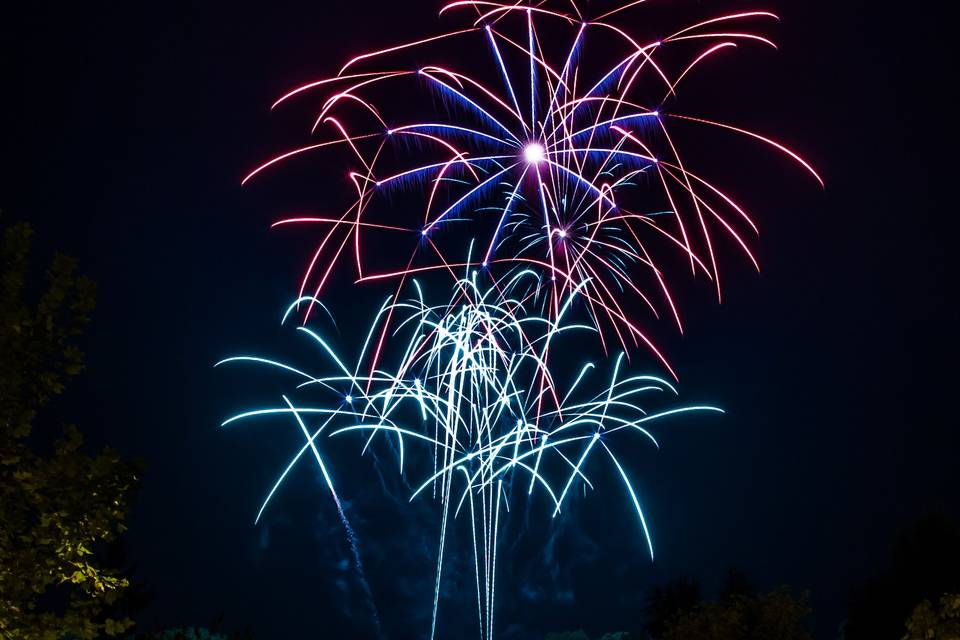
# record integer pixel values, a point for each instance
(778, 614)
(668, 602)
(58, 505)
(925, 565)
(935, 623)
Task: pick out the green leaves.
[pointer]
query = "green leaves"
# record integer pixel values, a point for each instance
(57, 509)
(778, 614)
(940, 623)
(38, 353)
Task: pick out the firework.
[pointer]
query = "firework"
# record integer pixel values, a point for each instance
(546, 145)
(553, 139)
(472, 391)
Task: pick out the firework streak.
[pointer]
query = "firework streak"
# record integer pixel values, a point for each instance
(565, 165)
(544, 145)
(472, 390)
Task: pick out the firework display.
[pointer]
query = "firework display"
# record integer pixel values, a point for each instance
(567, 165)
(528, 157)
(473, 391)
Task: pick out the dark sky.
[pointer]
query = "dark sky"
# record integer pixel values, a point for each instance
(126, 129)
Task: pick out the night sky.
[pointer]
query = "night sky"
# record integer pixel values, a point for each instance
(126, 128)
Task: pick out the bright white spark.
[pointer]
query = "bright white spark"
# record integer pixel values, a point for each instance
(534, 153)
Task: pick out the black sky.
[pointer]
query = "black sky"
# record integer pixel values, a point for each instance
(127, 126)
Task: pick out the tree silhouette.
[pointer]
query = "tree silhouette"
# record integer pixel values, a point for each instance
(735, 583)
(58, 505)
(925, 565)
(941, 623)
(777, 615)
(668, 602)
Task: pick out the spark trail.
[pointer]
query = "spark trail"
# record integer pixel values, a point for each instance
(351, 536)
(551, 147)
(557, 138)
(469, 387)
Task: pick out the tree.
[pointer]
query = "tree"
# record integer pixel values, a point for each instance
(58, 505)
(943, 623)
(925, 565)
(668, 602)
(777, 615)
(735, 583)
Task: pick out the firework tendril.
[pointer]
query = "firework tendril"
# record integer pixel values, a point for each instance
(472, 390)
(552, 144)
